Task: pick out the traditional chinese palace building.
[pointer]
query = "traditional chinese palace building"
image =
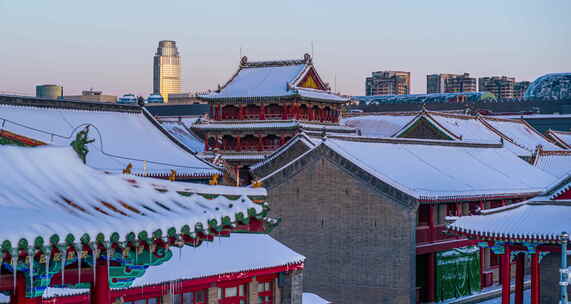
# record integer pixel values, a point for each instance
(244, 268)
(264, 105)
(369, 213)
(110, 137)
(516, 134)
(66, 225)
(532, 234)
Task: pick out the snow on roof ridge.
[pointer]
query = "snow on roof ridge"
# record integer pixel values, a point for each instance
(65, 104)
(419, 141)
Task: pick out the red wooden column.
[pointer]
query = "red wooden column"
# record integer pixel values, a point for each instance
(482, 260)
(506, 270)
(431, 273)
(241, 112)
(431, 229)
(260, 143)
(218, 114)
(19, 295)
(262, 115)
(284, 111)
(206, 142)
(238, 143)
(535, 280)
(519, 274)
(100, 292)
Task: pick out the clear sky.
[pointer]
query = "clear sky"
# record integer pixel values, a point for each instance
(109, 45)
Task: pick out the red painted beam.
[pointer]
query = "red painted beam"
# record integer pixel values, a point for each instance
(443, 246)
(71, 277)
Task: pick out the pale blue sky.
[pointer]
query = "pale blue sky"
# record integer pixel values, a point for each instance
(109, 45)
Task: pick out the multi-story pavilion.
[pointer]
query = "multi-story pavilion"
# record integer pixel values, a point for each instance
(266, 103)
(63, 224)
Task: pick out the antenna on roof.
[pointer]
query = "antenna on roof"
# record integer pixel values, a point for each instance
(312, 49)
(240, 52)
(335, 82)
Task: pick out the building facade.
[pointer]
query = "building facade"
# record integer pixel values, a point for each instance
(388, 83)
(450, 83)
(50, 91)
(389, 246)
(91, 95)
(166, 70)
(501, 86)
(519, 89)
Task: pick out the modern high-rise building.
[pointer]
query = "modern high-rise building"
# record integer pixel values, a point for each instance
(450, 83)
(388, 83)
(501, 86)
(166, 70)
(519, 88)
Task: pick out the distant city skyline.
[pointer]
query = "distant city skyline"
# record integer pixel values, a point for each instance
(82, 47)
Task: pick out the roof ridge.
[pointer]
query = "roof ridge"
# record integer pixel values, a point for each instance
(559, 131)
(414, 141)
(244, 63)
(554, 152)
(36, 102)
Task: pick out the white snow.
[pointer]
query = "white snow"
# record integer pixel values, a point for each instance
(439, 170)
(470, 128)
(320, 95)
(33, 198)
(311, 298)
(562, 137)
(261, 81)
(178, 130)
(556, 163)
(385, 125)
(520, 133)
(120, 139)
(522, 221)
(240, 252)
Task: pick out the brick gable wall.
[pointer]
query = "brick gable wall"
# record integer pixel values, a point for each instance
(359, 243)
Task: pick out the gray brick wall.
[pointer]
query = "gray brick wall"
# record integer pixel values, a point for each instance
(549, 269)
(359, 243)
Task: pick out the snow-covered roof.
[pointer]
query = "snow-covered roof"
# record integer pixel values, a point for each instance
(178, 130)
(384, 125)
(519, 132)
(272, 79)
(432, 170)
(531, 221)
(269, 124)
(49, 191)
(121, 137)
(468, 128)
(248, 252)
(311, 298)
(556, 163)
(563, 138)
(440, 170)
